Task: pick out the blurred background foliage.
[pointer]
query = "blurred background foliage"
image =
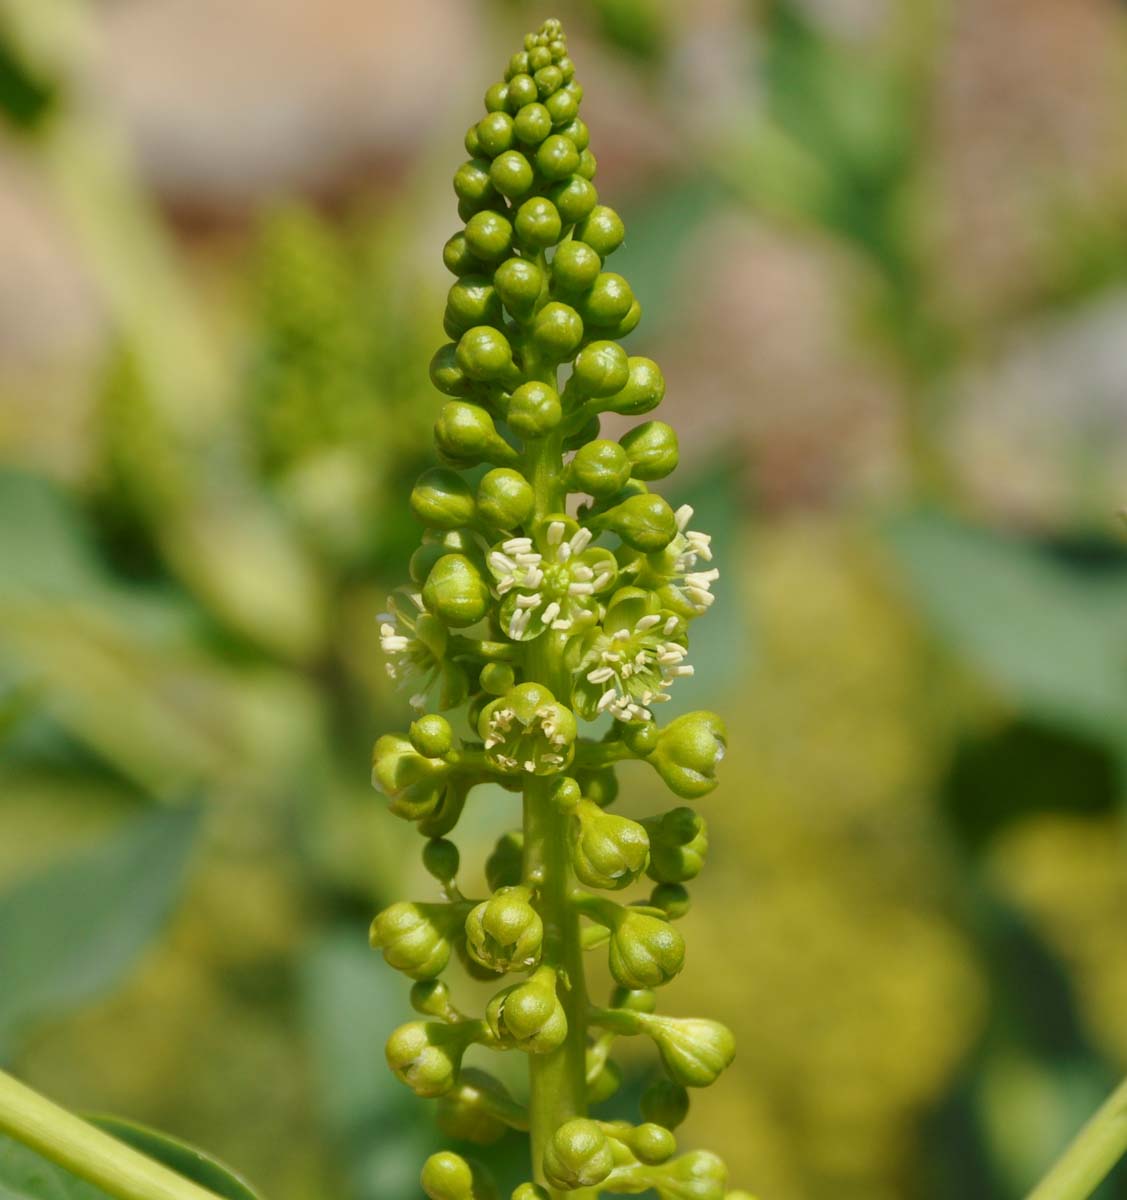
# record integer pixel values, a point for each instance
(883, 250)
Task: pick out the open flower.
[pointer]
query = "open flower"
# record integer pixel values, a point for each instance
(630, 663)
(675, 573)
(415, 644)
(552, 581)
(528, 730)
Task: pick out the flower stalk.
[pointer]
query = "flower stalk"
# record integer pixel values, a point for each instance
(1091, 1155)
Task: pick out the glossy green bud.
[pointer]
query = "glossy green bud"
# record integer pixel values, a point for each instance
(413, 938)
(588, 165)
(465, 434)
(497, 678)
(504, 933)
(472, 182)
(523, 92)
(496, 97)
(557, 158)
(548, 79)
(529, 1015)
(472, 301)
(426, 1055)
(575, 267)
(645, 521)
(635, 1000)
(644, 390)
(603, 230)
(698, 1175)
(688, 751)
(534, 409)
(694, 1051)
(649, 1143)
(538, 223)
(557, 330)
(678, 845)
(441, 859)
(519, 283)
(466, 1111)
(539, 56)
(605, 1082)
(575, 197)
(504, 498)
(455, 591)
(579, 1155)
(495, 133)
(629, 323)
(447, 1176)
(532, 124)
(413, 783)
(601, 468)
(640, 736)
(484, 354)
(488, 237)
(431, 998)
(599, 784)
(562, 105)
(530, 1191)
(652, 449)
(457, 256)
(472, 142)
(608, 301)
(504, 866)
(578, 132)
(442, 499)
(432, 735)
(672, 898)
(645, 952)
(511, 174)
(665, 1103)
(601, 369)
(607, 851)
(446, 374)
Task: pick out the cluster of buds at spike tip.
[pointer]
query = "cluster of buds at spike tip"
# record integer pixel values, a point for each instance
(552, 590)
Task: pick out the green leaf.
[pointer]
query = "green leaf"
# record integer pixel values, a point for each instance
(1050, 637)
(184, 1159)
(25, 98)
(71, 931)
(24, 1175)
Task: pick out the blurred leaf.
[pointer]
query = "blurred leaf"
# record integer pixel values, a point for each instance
(639, 27)
(180, 1157)
(24, 1175)
(25, 97)
(70, 932)
(1050, 637)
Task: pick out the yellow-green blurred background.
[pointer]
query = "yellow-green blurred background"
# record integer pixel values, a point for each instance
(882, 250)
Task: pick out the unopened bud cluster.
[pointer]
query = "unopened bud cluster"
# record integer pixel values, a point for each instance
(552, 589)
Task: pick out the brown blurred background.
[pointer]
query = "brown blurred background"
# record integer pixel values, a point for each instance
(882, 250)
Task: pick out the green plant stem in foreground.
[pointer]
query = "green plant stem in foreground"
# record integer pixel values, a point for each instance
(78, 1147)
(1091, 1155)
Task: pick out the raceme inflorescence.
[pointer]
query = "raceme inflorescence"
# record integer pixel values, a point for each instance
(552, 589)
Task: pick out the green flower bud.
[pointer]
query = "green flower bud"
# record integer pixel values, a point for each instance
(688, 751)
(574, 197)
(441, 859)
(446, 374)
(472, 182)
(693, 1050)
(442, 499)
(635, 1000)
(414, 784)
(587, 166)
(673, 900)
(557, 330)
(465, 434)
(601, 369)
(522, 90)
(579, 1155)
(645, 521)
(414, 937)
(497, 678)
(532, 123)
(446, 1176)
(644, 390)
(652, 449)
(484, 354)
(467, 1111)
(601, 468)
(678, 845)
(603, 230)
(504, 932)
(629, 323)
(472, 301)
(649, 1143)
(488, 237)
(504, 866)
(432, 735)
(495, 133)
(529, 1015)
(504, 498)
(645, 952)
(579, 133)
(539, 56)
(455, 592)
(511, 174)
(607, 851)
(665, 1103)
(458, 257)
(603, 1082)
(640, 737)
(575, 267)
(427, 1055)
(528, 730)
(698, 1175)
(557, 158)
(519, 284)
(472, 142)
(549, 79)
(600, 785)
(608, 301)
(534, 409)
(538, 223)
(562, 105)
(496, 97)
(431, 997)
(530, 1191)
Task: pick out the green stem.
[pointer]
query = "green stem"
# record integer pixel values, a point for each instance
(1091, 1155)
(79, 1148)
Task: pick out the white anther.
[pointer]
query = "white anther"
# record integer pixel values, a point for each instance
(556, 531)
